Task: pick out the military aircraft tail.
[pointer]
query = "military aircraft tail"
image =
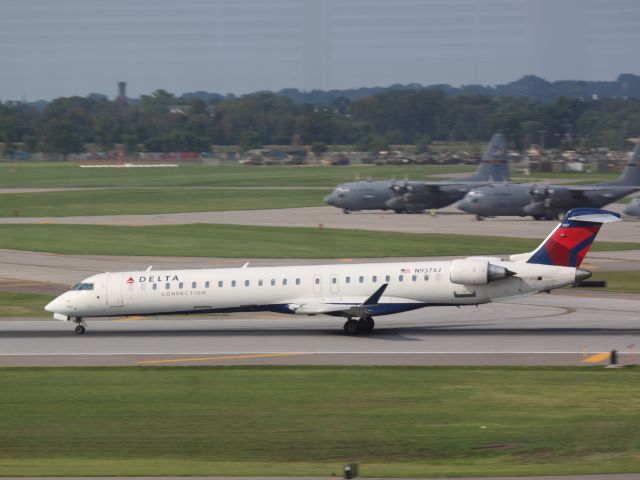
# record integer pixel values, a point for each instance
(494, 165)
(630, 176)
(569, 242)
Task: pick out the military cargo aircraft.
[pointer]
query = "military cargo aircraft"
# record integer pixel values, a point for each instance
(415, 196)
(543, 201)
(633, 208)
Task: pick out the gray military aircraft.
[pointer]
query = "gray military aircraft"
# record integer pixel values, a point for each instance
(415, 196)
(542, 201)
(633, 208)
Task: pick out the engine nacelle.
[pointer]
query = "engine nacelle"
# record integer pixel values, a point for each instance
(471, 271)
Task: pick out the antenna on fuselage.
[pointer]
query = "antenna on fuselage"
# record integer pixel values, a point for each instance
(149, 269)
(245, 265)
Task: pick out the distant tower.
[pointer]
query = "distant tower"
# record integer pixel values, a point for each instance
(122, 92)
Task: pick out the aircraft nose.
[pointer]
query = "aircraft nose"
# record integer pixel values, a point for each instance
(465, 205)
(54, 305)
(332, 200)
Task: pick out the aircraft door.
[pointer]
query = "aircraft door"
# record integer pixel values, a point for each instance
(334, 284)
(114, 289)
(317, 284)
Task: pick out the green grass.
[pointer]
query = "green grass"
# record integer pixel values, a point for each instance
(14, 304)
(141, 201)
(68, 174)
(311, 420)
(237, 241)
(623, 281)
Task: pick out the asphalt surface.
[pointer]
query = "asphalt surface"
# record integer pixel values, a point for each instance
(448, 220)
(539, 330)
(619, 476)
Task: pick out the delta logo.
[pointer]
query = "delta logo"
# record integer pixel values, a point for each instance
(130, 280)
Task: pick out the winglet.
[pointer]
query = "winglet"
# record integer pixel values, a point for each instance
(375, 298)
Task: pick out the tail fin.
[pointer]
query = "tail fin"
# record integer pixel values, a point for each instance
(630, 176)
(570, 241)
(494, 165)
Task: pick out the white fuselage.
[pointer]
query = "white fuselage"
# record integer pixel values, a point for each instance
(411, 285)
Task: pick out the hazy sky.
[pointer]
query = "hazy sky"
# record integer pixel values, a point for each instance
(52, 48)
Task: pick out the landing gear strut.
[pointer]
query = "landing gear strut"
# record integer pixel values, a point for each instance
(363, 325)
(81, 327)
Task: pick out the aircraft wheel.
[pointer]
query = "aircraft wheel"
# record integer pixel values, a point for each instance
(537, 217)
(480, 218)
(80, 329)
(346, 211)
(366, 324)
(351, 327)
(550, 217)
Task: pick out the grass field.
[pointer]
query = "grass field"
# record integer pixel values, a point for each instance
(311, 420)
(146, 201)
(68, 174)
(237, 241)
(23, 304)
(624, 282)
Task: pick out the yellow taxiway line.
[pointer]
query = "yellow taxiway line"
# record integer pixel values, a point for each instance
(598, 357)
(129, 319)
(225, 357)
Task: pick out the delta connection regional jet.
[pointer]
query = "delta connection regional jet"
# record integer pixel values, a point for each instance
(356, 292)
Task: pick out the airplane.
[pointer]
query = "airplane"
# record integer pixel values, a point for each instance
(414, 196)
(548, 201)
(355, 292)
(633, 208)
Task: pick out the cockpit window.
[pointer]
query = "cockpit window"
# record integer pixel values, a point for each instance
(82, 286)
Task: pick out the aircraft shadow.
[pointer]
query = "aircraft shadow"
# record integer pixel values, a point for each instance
(381, 333)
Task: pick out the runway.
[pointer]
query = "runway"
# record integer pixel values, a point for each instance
(552, 329)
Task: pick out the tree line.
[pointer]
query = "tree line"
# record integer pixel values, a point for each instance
(162, 122)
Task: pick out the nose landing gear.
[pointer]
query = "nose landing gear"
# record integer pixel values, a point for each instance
(81, 326)
(363, 325)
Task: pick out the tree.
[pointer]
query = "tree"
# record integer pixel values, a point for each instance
(318, 148)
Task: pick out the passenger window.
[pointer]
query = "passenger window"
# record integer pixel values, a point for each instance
(284, 281)
(220, 284)
(334, 280)
(374, 279)
(155, 286)
(387, 278)
(167, 286)
(400, 278)
(246, 283)
(180, 285)
(260, 282)
(193, 284)
(426, 277)
(297, 281)
(233, 283)
(414, 278)
(361, 279)
(206, 284)
(347, 280)
(273, 282)
(317, 282)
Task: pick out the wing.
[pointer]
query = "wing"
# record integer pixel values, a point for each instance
(346, 309)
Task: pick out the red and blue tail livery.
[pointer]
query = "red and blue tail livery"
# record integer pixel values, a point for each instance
(570, 241)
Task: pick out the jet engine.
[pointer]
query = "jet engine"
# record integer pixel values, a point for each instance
(476, 272)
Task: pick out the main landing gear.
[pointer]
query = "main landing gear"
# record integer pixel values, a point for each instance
(363, 325)
(81, 326)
